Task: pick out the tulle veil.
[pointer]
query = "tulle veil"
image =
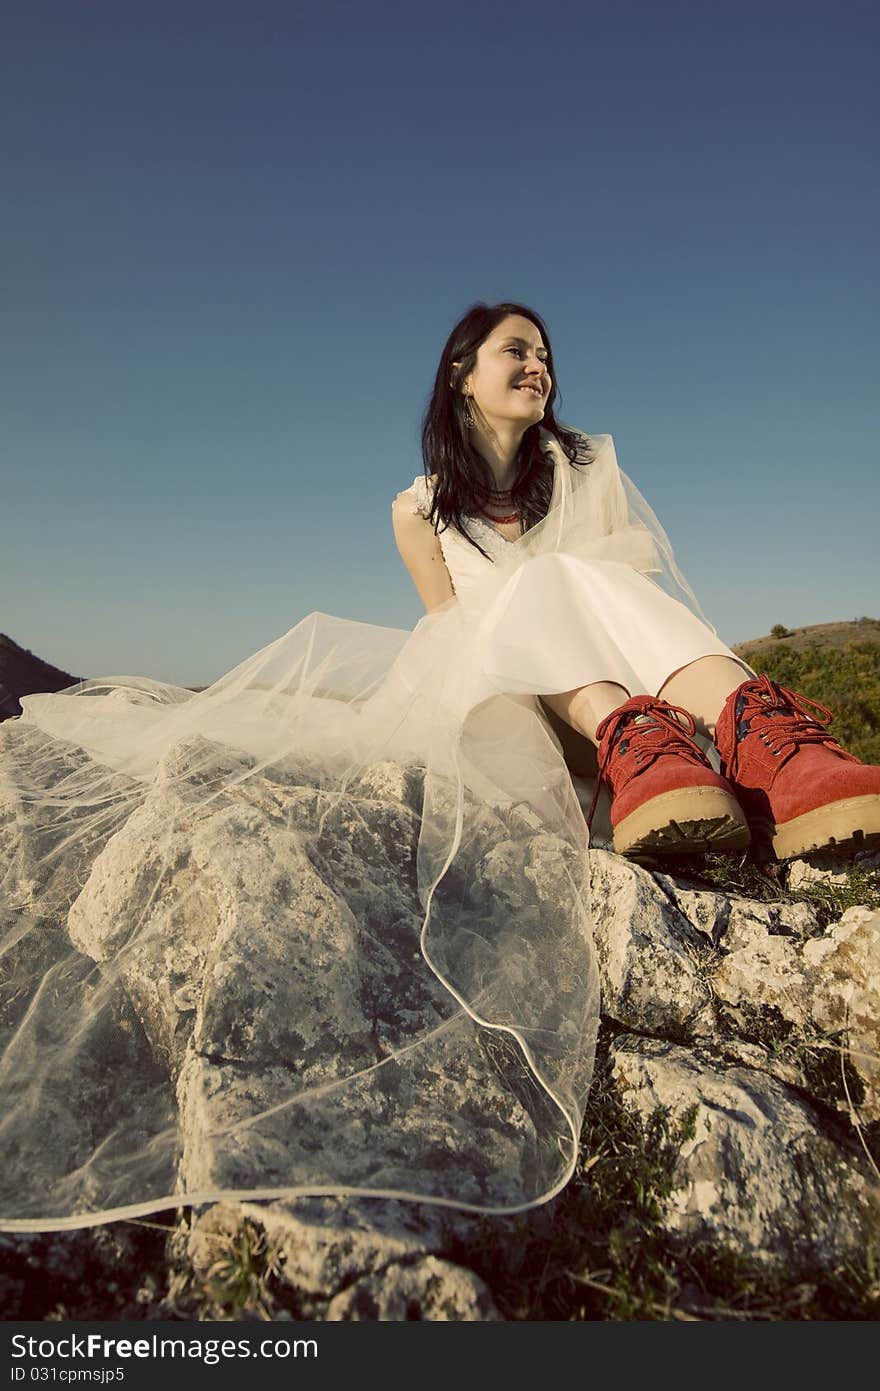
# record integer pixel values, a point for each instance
(321, 928)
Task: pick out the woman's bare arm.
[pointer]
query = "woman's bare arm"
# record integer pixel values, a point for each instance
(420, 549)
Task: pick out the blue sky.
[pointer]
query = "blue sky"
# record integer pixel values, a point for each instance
(236, 237)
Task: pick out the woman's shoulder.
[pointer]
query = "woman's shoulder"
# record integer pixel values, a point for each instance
(417, 497)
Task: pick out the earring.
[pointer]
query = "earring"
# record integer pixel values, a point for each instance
(468, 414)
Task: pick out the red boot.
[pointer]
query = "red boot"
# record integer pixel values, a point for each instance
(667, 797)
(800, 790)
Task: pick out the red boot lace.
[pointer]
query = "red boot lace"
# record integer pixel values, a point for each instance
(782, 722)
(648, 742)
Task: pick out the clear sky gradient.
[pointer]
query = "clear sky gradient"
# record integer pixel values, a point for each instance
(235, 237)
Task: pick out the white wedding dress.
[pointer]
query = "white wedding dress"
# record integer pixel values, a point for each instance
(325, 927)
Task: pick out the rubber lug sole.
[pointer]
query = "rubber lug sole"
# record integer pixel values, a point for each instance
(688, 820)
(849, 826)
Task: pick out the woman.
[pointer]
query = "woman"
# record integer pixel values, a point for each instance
(325, 926)
(642, 672)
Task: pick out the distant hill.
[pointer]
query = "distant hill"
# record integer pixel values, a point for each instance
(21, 673)
(819, 635)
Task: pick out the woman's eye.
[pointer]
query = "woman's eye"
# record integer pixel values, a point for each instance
(518, 350)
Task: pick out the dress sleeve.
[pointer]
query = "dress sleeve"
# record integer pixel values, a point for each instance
(419, 496)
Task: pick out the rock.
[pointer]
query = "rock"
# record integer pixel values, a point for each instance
(429, 1289)
(843, 971)
(776, 976)
(648, 951)
(760, 1175)
(825, 989)
(272, 964)
(828, 867)
(348, 1260)
(209, 916)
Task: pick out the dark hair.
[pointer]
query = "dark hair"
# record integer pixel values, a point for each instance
(463, 474)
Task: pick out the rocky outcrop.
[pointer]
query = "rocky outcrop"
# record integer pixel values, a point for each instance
(756, 1019)
(760, 1175)
(343, 1261)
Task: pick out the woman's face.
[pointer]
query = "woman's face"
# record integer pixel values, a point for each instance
(510, 381)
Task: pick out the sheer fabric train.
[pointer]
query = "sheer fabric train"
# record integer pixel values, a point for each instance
(324, 927)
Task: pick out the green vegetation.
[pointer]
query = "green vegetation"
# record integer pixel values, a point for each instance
(742, 877)
(844, 676)
(241, 1279)
(832, 900)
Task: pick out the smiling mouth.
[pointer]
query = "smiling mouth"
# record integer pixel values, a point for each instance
(532, 390)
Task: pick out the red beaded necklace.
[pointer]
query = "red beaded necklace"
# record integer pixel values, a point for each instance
(496, 497)
(500, 521)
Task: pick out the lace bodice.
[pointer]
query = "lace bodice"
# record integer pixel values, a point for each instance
(464, 562)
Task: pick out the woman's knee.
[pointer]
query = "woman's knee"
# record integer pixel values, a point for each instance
(709, 671)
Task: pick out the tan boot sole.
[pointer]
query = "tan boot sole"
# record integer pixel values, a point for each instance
(848, 826)
(687, 821)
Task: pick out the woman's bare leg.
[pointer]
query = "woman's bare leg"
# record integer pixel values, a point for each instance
(703, 686)
(586, 706)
